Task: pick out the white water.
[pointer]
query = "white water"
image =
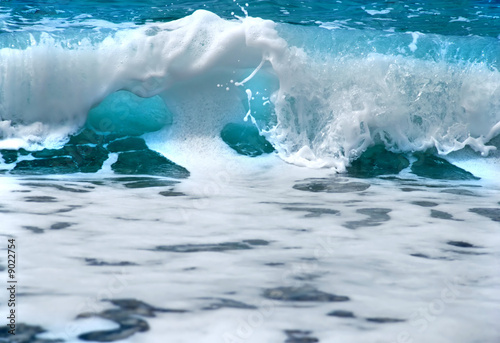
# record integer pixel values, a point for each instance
(451, 295)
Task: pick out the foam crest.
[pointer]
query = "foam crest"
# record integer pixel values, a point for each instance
(339, 108)
(54, 84)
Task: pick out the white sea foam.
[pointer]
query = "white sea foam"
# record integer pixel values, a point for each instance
(377, 12)
(397, 267)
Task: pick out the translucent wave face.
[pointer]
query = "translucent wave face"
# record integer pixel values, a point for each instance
(124, 113)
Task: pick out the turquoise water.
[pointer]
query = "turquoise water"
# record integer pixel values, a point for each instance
(260, 171)
(461, 18)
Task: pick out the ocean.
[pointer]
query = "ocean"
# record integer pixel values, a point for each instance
(260, 171)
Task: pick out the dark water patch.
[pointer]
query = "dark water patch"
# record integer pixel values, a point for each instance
(376, 214)
(135, 182)
(218, 303)
(60, 226)
(299, 336)
(97, 182)
(55, 186)
(376, 217)
(306, 277)
(341, 314)
(127, 144)
(288, 204)
(376, 161)
(217, 247)
(304, 293)
(430, 185)
(24, 334)
(131, 178)
(441, 215)
(256, 242)
(466, 252)
(457, 191)
(433, 167)
(56, 226)
(245, 140)
(330, 186)
(384, 320)
(171, 194)
(312, 259)
(49, 153)
(274, 264)
(132, 326)
(313, 211)
(141, 308)
(470, 186)
(71, 158)
(9, 156)
(425, 203)
(129, 326)
(40, 199)
(148, 162)
(128, 219)
(409, 189)
(57, 165)
(21, 191)
(396, 178)
(34, 229)
(100, 263)
(149, 183)
(89, 159)
(85, 153)
(492, 213)
(89, 136)
(419, 255)
(128, 317)
(461, 244)
(68, 209)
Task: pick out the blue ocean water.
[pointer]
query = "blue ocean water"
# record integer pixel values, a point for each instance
(259, 171)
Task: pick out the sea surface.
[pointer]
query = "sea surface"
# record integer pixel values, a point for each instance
(260, 171)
